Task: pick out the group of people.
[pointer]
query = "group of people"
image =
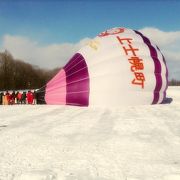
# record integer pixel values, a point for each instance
(7, 98)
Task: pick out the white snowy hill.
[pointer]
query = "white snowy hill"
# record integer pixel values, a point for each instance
(74, 143)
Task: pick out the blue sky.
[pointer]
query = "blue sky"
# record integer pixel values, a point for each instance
(53, 21)
(48, 32)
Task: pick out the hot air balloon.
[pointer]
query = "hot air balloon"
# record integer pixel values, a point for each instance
(118, 67)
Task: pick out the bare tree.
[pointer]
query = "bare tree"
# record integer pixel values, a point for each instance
(16, 74)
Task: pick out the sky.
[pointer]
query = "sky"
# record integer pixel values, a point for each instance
(48, 32)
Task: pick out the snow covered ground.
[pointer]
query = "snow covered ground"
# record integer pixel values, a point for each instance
(74, 143)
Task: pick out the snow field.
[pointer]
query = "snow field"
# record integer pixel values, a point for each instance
(74, 143)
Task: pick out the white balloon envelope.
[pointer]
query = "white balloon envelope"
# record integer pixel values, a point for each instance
(118, 67)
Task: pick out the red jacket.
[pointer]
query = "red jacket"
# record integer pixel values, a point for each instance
(29, 97)
(19, 96)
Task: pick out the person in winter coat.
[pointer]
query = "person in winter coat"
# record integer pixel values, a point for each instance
(34, 97)
(6, 98)
(1, 98)
(19, 98)
(30, 97)
(24, 97)
(12, 98)
(16, 97)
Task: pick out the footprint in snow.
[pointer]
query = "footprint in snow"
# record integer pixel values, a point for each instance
(37, 175)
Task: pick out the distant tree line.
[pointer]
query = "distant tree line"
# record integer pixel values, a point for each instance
(16, 74)
(174, 82)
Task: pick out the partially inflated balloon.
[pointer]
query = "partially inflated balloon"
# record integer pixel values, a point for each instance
(118, 67)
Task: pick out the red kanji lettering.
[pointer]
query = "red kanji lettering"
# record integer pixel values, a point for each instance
(136, 63)
(124, 39)
(131, 49)
(139, 79)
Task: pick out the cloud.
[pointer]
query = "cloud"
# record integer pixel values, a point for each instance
(50, 56)
(169, 43)
(56, 55)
